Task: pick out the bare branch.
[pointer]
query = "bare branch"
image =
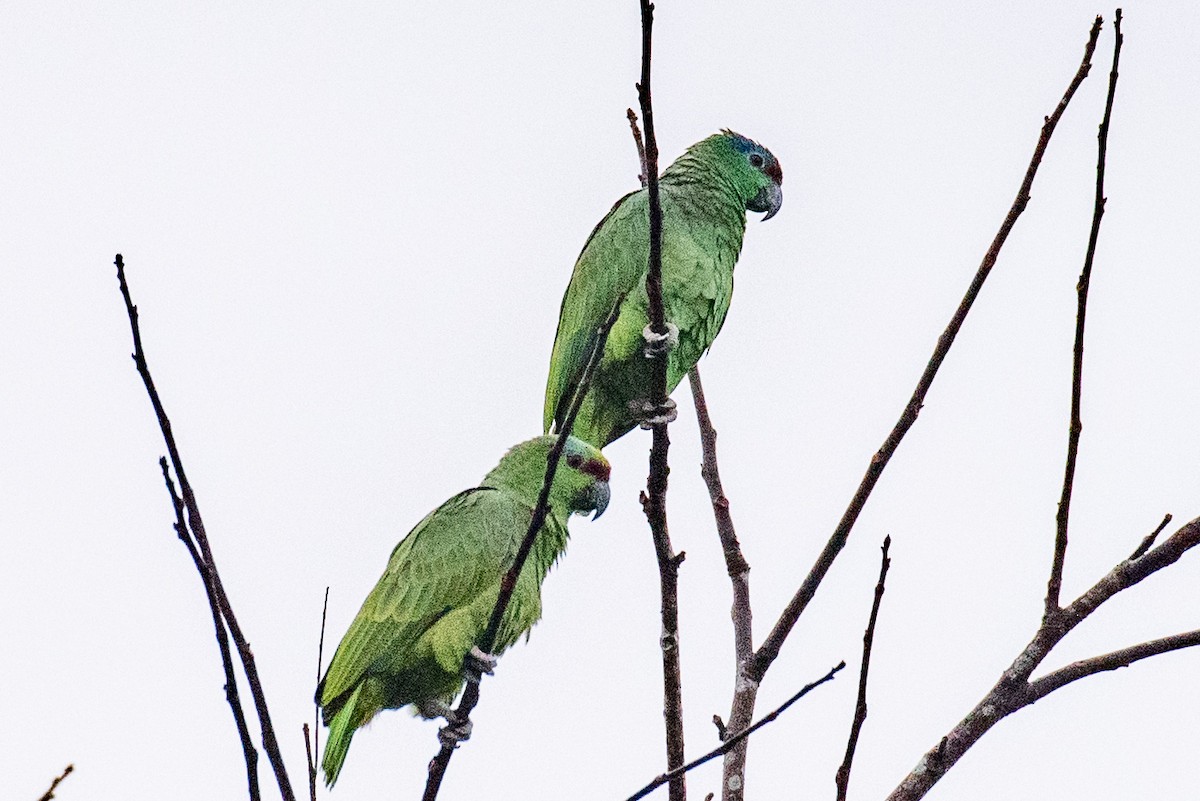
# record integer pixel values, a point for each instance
(654, 499)
(860, 708)
(745, 693)
(232, 696)
(770, 648)
(470, 696)
(1054, 585)
(1014, 691)
(310, 751)
(1125, 657)
(735, 739)
(316, 738)
(209, 573)
(641, 145)
(49, 794)
(1149, 539)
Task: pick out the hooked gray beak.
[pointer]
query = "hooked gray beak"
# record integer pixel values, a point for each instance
(598, 497)
(768, 199)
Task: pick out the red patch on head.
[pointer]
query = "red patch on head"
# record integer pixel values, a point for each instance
(597, 468)
(774, 171)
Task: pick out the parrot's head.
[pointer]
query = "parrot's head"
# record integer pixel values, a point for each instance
(583, 474)
(752, 168)
(580, 482)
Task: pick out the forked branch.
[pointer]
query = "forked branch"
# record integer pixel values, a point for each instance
(193, 534)
(765, 655)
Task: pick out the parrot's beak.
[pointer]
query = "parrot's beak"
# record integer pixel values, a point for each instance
(598, 497)
(768, 199)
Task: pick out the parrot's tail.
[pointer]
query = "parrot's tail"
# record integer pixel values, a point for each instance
(341, 731)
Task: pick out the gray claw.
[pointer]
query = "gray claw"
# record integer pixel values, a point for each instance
(477, 663)
(659, 344)
(454, 733)
(650, 415)
(434, 708)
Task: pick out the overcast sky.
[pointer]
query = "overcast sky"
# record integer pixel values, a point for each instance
(348, 228)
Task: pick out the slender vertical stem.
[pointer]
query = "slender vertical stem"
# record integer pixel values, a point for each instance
(654, 500)
(1062, 520)
(745, 692)
(860, 707)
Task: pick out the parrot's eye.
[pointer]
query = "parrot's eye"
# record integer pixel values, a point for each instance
(574, 460)
(756, 160)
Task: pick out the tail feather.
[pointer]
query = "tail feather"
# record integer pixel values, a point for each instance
(341, 731)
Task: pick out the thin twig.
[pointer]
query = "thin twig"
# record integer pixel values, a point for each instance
(860, 708)
(232, 696)
(1054, 585)
(311, 753)
(470, 696)
(1124, 657)
(1149, 539)
(316, 744)
(654, 499)
(641, 145)
(1015, 691)
(207, 566)
(735, 739)
(49, 794)
(745, 693)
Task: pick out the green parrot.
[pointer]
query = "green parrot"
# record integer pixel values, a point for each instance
(704, 197)
(408, 643)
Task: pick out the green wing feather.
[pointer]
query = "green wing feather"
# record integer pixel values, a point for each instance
(612, 263)
(407, 643)
(701, 240)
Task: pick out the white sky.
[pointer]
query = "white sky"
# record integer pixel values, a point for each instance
(349, 227)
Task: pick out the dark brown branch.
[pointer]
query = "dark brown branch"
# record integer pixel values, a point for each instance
(470, 696)
(654, 499)
(1149, 539)
(735, 739)
(745, 693)
(1054, 585)
(49, 794)
(770, 648)
(249, 753)
(310, 753)
(208, 571)
(641, 145)
(316, 737)
(1014, 690)
(860, 708)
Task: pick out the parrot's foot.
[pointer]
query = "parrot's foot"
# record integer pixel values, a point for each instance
(659, 344)
(454, 733)
(434, 708)
(649, 415)
(476, 663)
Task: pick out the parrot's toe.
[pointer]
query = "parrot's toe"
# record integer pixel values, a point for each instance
(477, 663)
(434, 708)
(454, 733)
(659, 344)
(650, 414)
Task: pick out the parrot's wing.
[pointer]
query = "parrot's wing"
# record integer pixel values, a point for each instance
(457, 552)
(611, 263)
